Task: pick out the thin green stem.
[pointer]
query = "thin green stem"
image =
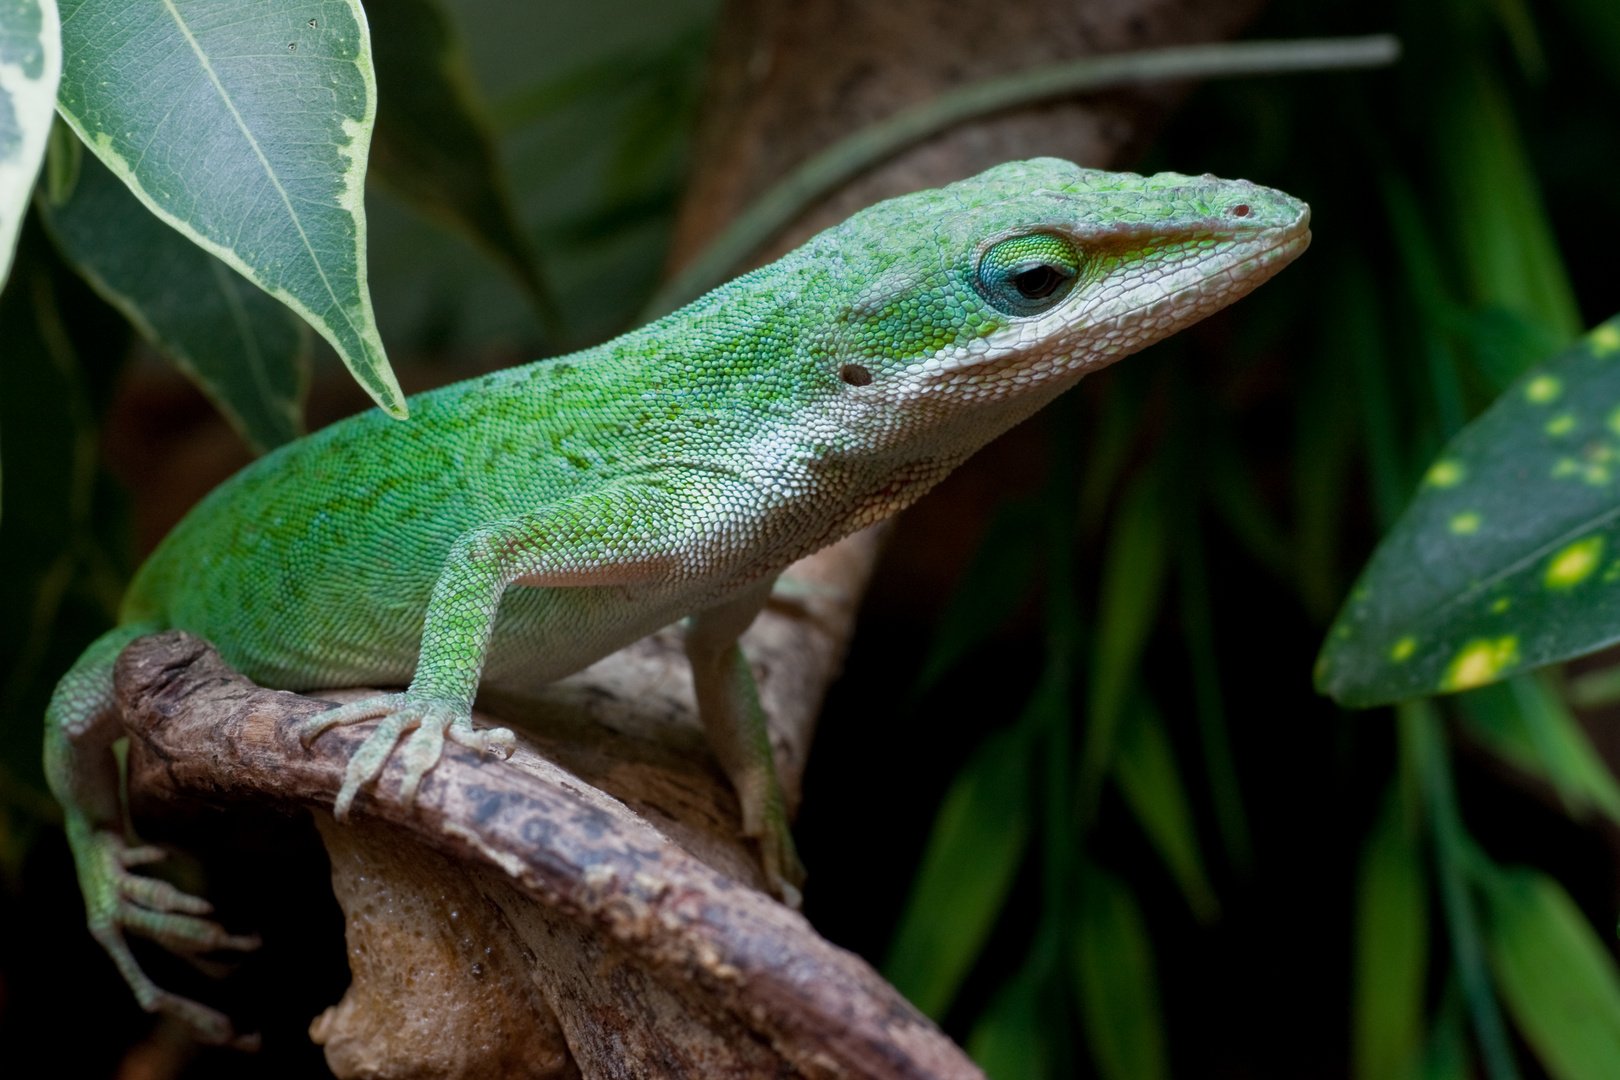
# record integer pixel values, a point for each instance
(1421, 737)
(848, 158)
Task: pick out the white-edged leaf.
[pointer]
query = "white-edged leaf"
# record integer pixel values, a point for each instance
(245, 124)
(30, 64)
(247, 352)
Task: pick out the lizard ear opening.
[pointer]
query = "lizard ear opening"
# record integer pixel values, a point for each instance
(855, 375)
(1028, 275)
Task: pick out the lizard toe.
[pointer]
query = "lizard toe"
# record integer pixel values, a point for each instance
(159, 895)
(211, 1027)
(423, 749)
(353, 713)
(498, 741)
(369, 760)
(183, 933)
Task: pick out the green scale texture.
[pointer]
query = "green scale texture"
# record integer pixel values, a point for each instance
(522, 525)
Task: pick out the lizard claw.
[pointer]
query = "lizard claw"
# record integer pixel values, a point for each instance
(429, 722)
(784, 873)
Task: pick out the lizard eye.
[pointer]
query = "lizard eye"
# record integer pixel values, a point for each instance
(1028, 274)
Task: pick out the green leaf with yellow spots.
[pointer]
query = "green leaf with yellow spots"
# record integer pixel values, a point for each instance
(1508, 557)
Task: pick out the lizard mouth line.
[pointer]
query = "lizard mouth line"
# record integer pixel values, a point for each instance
(1288, 241)
(1297, 237)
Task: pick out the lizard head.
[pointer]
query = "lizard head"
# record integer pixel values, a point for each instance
(965, 309)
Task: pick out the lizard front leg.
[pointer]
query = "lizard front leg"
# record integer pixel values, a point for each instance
(728, 702)
(606, 538)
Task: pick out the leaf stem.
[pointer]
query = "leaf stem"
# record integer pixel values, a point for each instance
(851, 156)
(1421, 737)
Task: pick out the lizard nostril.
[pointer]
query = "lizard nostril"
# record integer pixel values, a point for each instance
(1240, 210)
(855, 375)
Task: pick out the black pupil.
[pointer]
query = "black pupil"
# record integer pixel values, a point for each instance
(1039, 282)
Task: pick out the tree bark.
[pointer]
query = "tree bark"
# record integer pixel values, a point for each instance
(519, 921)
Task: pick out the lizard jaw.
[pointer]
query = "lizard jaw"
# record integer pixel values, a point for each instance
(1098, 328)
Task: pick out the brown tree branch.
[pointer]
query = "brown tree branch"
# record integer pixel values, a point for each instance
(548, 907)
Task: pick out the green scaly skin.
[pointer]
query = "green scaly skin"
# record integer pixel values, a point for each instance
(525, 524)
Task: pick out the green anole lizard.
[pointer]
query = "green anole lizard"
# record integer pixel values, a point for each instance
(522, 525)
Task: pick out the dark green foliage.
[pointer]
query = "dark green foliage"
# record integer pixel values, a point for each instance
(434, 145)
(1436, 283)
(243, 348)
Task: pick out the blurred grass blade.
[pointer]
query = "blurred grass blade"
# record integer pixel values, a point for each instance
(995, 584)
(615, 74)
(1598, 22)
(1428, 294)
(244, 350)
(1446, 1056)
(1523, 721)
(1504, 344)
(1198, 625)
(1115, 431)
(1506, 559)
(1520, 27)
(1591, 689)
(657, 122)
(1325, 446)
(1009, 1041)
(1116, 983)
(1510, 256)
(59, 589)
(1457, 863)
(1132, 580)
(1391, 945)
(1557, 977)
(434, 144)
(977, 844)
(30, 64)
(1145, 769)
(1353, 333)
(247, 128)
(1238, 500)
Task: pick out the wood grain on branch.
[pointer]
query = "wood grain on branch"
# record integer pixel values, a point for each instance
(519, 921)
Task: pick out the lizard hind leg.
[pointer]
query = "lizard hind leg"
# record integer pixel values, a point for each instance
(728, 703)
(81, 725)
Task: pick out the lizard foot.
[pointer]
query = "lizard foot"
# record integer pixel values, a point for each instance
(117, 901)
(430, 724)
(784, 873)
